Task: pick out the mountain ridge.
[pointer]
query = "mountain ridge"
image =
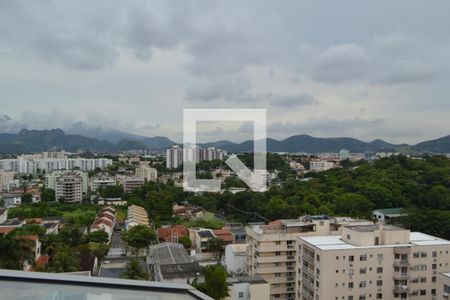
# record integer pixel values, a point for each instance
(40, 140)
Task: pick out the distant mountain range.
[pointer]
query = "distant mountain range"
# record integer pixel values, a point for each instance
(112, 140)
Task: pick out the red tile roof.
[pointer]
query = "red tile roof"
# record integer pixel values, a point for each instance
(42, 260)
(224, 234)
(167, 233)
(4, 230)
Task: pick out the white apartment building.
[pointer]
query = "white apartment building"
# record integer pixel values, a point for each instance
(69, 187)
(101, 181)
(320, 166)
(6, 177)
(130, 183)
(51, 179)
(147, 173)
(272, 249)
(51, 161)
(371, 262)
(174, 157)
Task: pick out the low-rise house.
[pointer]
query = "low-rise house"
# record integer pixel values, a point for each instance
(35, 247)
(13, 223)
(111, 201)
(248, 288)
(3, 215)
(105, 221)
(386, 214)
(170, 262)
(236, 258)
(225, 235)
(136, 215)
(200, 238)
(172, 234)
(12, 199)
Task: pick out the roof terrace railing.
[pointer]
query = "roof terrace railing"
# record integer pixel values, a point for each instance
(15, 285)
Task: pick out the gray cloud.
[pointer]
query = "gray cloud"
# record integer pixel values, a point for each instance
(67, 58)
(290, 101)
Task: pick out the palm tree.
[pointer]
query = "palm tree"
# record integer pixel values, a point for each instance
(133, 270)
(65, 260)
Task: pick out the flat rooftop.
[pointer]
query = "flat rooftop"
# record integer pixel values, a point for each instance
(371, 228)
(36, 285)
(333, 242)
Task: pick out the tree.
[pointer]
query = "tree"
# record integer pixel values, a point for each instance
(139, 236)
(14, 251)
(48, 195)
(65, 260)
(186, 242)
(98, 236)
(134, 270)
(27, 198)
(215, 284)
(215, 245)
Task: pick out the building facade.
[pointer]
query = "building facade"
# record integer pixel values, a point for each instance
(174, 157)
(147, 173)
(272, 249)
(101, 181)
(130, 183)
(371, 262)
(69, 188)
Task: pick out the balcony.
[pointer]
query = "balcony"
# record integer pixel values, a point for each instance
(271, 259)
(401, 289)
(401, 263)
(35, 285)
(402, 250)
(309, 259)
(401, 276)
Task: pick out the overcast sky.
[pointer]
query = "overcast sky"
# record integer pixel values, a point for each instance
(377, 69)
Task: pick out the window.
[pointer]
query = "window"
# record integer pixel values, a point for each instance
(362, 297)
(277, 274)
(380, 256)
(241, 294)
(337, 271)
(379, 296)
(423, 279)
(362, 271)
(350, 285)
(278, 253)
(379, 270)
(433, 267)
(350, 272)
(337, 257)
(349, 237)
(423, 254)
(416, 254)
(350, 298)
(424, 267)
(277, 243)
(363, 257)
(379, 282)
(318, 257)
(351, 258)
(433, 292)
(434, 253)
(423, 292)
(433, 279)
(362, 284)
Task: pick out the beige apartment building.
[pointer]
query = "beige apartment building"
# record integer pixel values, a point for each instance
(147, 173)
(272, 249)
(371, 262)
(443, 286)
